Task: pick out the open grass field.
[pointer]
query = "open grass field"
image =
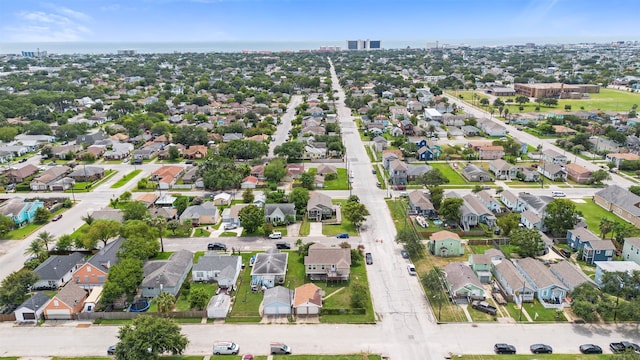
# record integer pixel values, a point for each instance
(125, 179)
(592, 214)
(454, 177)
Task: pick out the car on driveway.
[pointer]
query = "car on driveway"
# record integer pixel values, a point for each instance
(368, 258)
(343, 236)
(590, 349)
(57, 217)
(111, 350)
(404, 253)
(217, 246)
(541, 349)
(411, 269)
(283, 245)
(502, 348)
(485, 307)
(230, 226)
(275, 235)
(624, 346)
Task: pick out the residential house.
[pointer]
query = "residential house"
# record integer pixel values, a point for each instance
(65, 152)
(49, 176)
(327, 263)
(474, 173)
(165, 200)
(269, 269)
(222, 199)
(490, 128)
(195, 152)
(388, 156)
(307, 300)
(577, 173)
(473, 212)
(203, 214)
(433, 114)
(87, 173)
(167, 176)
(326, 169)
(230, 214)
(553, 171)
(569, 274)
(491, 152)
(168, 213)
(489, 201)
(93, 152)
(415, 171)
(166, 276)
(407, 127)
(90, 139)
(617, 158)
(429, 151)
(108, 214)
(604, 267)
(57, 270)
(532, 220)
(295, 170)
(92, 301)
(257, 171)
(279, 213)
(119, 151)
(20, 210)
(462, 284)
(320, 207)
(18, 175)
(66, 303)
(249, 182)
(379, 143)
(453, 120)
(513, 286)
(147, 152)
(554, 157)
(470, 130)
(398, 173)
(604, 145)
(621, 202)
(445, 244)
(550, 291)
(534, 203)
(503, 170)
(277, 301)
(511, 201)
(32, 309)
(631, 249)
(481, 264)
(94, 272)
(528, 174)
(222, 269)
(191, 175)
(420, 204)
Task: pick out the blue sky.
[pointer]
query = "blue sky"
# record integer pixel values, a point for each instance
(303, 20)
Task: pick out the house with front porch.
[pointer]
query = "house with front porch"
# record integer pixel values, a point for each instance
(531, 220)
(279, 213)
(489, 201)
(513, 286)
(327, 263)
(320, 207)
(473, 212)
(503, 170)
(550, 291)
(420, 204)
(553, 171)
(462, 284)
(511, 201)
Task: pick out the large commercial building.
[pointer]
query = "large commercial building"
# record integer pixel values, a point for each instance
(555, 90)
(364, 44)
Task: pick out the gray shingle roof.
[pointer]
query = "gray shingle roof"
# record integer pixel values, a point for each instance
(622, 198)
(107, 256)
(270, 264)
(225, 264)
(36, 301)
(167, 272)
(277, 294)
(539, 274)
(458, 275)
(569, 274)
(56, 266)
(287, 209)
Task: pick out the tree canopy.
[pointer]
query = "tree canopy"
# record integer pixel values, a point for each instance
(147, 337)
(560, 216)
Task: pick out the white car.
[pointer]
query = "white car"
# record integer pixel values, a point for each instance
(275, 235)
(230, 226)
(411, 269)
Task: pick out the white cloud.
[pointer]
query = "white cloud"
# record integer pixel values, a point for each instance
(53, 24)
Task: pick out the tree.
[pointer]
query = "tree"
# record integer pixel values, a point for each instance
(433, 178)
(561, 215)
(599, 176)
(450, 209)
(6, 225)
(159, 223)
(275, 170)
(88, 219)
(292, 150)
(181, 204)
(437, 193)
(299, 197)
(141, 240)
(123, 279)
(635, 189)
(198, 298)
(247, 196)
(15, 286)
(174, 153)
(166, 302)
(135, 210)
(64, 242)
(251, 218)
(243, 149)
(36, 249)
(101, 230)
(355, 212)
(45, 238)
(359, 296)
(306, 180)
(508, 222)
(147, 337)
(528, 241)
(41, 216)
(606, 225)
(411, 242)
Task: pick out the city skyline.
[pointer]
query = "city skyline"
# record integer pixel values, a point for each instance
(303, 20)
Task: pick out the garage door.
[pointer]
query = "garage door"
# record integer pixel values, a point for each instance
(58, 315)
(277, 310)
(29, 316)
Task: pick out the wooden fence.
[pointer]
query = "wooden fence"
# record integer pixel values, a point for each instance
(8, 317)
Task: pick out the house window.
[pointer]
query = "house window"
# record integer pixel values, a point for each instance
(322, 267)
(86, 278)
(56, 303)
(88, 268)
(102, 278)
(77, 279)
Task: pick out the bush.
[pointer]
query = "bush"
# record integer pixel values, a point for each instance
(351, 311)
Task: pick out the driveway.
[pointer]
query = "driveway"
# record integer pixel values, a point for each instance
(316, 229)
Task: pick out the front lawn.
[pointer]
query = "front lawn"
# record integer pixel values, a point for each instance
(247, 303)
(182, 303)
(335, 229)
(340, 183)
(125, 179)
(23, 232)
(454, 177)
(593, 212)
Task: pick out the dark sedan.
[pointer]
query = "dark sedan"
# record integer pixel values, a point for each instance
(590, 349)
(217, 246)
(504, 348)
(624, 346)
(541, 349)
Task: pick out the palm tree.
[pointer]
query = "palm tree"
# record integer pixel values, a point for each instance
(166, 302)
(159, 223)
(88, 219)
(36, 249)
(46, 238)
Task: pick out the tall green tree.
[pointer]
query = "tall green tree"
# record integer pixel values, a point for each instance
(606, 225)
(411, 242)
(46, 238)
(247, 196)
(101, 230)
(355, 212)
(123, 279)
(251, 218)
(450, 210)
(15, 286)
(508, 222)
(433, 178)
(560, 216)
(198, 298)
(141, 240)
(528, 241)
(147, 337)
(275, 170)
(159, 223)
(292, 150)
(166, 301)
(299, 197)
(36, 249)
(6, 225)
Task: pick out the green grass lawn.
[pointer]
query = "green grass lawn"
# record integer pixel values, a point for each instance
(125, 179)
(305, 227)
(23, 232)
(340, 183)
(247, 303)
(592, 214)
(543, 313)
(398, 212)
(183, 300)
(480, 249)
(454, 177)
(515, 312)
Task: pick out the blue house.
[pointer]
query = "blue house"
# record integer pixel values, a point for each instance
(20, 211)
(430, 151)
(269, 269)
(593, 248)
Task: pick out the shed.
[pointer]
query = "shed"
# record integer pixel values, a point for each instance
(219, 306)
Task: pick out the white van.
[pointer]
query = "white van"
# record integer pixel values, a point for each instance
(558, 194)
(226, 348)
(280, 348)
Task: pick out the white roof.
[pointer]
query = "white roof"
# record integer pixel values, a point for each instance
(617, 266)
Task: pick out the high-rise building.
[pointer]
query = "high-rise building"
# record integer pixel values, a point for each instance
(127, 52)
(364, 44)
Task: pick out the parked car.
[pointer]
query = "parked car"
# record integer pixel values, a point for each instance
(590, 349)
(485, 307)
(378, 184)
(411, 269)
(343, 236)
(501, 348)
(624, 346)
(111, 350)
(230, 226)
(404, 254)
(558, 194)
(57, 217)
(368, 258)
(283, 245)
(217, 246)
(541, 349)
(566, 253)
(225, 348)
(280, 348)
(275, 235)
(373, 171)
(247, 357)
